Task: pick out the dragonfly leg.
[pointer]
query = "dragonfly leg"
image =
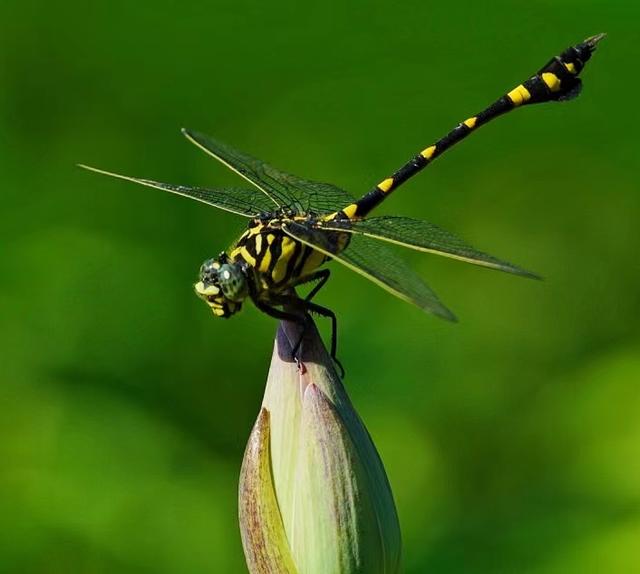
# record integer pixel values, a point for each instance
(294, 302)
(278, 314)
(307, 306)
(321, 276)
(286, 316)
(324, 312)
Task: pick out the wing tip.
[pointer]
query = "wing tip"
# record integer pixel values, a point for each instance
(442, 312)
(451, 319)
(201, 141)
(193, 136)
(515, 270)
(189, 134)
(449, 316)
(534, 276)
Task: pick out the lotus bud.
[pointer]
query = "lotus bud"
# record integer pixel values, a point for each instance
(314, 496)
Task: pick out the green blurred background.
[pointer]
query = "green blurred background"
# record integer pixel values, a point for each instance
(512, 440)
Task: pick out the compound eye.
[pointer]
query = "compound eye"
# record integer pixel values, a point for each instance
(232, 282)
(209, 271)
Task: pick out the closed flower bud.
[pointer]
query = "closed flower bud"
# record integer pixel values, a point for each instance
(314, 496)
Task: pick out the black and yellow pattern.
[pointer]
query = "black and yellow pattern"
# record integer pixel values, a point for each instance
(296, 225)
(557, 80)
(276, 258)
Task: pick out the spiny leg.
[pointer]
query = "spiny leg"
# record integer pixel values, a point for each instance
(278, 314)
(328, 313)
(557, 80)
(286, 316)
(322, 276)
(307, 306)
(292, 301)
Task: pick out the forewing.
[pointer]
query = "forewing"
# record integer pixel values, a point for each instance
(377, 263)
(245, 202)
(315, 198)
(289, 191)
(428, 237)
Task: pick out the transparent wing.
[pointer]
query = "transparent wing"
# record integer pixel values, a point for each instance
(245, 202)
(286, 190)
(425, 236)
(315, 198)
(377, 263)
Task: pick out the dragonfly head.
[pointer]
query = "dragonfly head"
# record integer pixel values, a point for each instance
(223, 285)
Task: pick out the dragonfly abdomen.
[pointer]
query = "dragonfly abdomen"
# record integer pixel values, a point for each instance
(557, 80)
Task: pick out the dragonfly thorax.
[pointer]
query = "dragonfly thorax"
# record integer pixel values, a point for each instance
(223, 285)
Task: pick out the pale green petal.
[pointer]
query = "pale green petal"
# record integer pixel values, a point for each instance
(343, 534)
(263, 536)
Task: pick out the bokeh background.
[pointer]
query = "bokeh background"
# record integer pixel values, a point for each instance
(512, 440)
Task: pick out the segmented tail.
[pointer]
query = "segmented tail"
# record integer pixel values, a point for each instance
(557, 80)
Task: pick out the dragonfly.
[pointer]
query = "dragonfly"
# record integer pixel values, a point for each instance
(295, 225)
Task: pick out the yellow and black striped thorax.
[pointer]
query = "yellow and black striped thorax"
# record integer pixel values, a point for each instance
(278, 260)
